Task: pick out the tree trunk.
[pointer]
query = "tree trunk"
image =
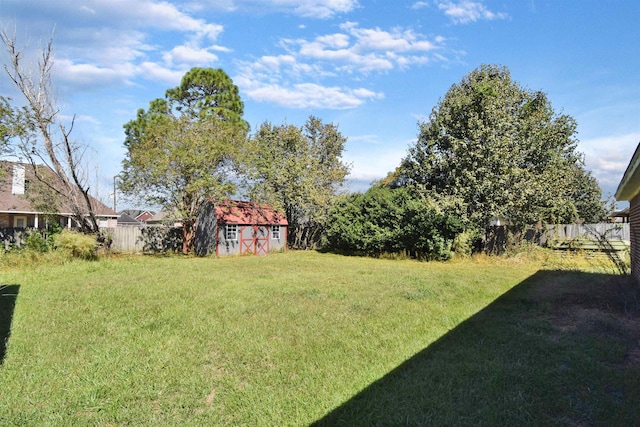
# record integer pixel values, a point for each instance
(188, 236)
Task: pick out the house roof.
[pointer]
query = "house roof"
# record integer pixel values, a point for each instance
(622, 213)
(125, 219)
(18, 203)
(138, 214)
(630, 184)
(162, 216)
(248, 213)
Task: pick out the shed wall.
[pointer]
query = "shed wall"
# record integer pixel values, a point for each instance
(252, 239)
(224, 246)
(206, 224)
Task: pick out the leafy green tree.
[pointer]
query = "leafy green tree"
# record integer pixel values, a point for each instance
(298, 170)
(185, 148)
(6, 119)
(585, 193)
(10, 124)
(504, 151)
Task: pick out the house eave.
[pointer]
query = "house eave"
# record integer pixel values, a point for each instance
(629, 186)
(20, 212)
(11, 211)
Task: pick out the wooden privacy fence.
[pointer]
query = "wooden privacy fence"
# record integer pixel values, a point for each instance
(123, 239)
(612, 231)
(500, 238)
(145, 239)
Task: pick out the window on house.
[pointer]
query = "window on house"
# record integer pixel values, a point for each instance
(275, 232)
(231, 232)
(20, 222)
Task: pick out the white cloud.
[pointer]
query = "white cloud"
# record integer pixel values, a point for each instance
(310, 95)
(189, 55)
(608, 158)
(274, 63)
(319, 9)
(85, 8)
(101, 43)
(367, 49)
(274, 69)
(297, 77)
(156, 72)
(398, 41)
(87, 75)
(148, 14)
(466, 11)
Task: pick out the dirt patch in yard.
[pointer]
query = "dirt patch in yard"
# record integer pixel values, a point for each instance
(605, 309)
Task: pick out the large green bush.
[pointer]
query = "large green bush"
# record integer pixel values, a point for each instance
(385, 220)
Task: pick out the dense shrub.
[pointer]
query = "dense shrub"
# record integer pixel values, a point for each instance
(36, 242)
(384, 220)
(463, 242)
(41, 240)
(77, 245)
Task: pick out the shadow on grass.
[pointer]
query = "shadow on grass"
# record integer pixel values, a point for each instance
(560, 348)
(8, 297)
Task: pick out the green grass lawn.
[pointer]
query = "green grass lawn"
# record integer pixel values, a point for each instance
(303, 337)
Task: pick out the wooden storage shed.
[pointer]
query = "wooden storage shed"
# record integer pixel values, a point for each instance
(629, 189)
(239, 228)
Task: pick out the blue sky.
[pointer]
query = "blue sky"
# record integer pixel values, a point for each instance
(375, 68)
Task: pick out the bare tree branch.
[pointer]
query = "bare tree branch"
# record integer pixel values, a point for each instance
(58, 152)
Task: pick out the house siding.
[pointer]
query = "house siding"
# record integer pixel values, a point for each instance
(634, 220)
(16, 195)
(5, 221)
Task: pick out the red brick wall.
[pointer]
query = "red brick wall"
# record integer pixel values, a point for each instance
(634, 220)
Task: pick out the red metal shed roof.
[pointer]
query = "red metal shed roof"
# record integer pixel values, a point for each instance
(248, 213)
